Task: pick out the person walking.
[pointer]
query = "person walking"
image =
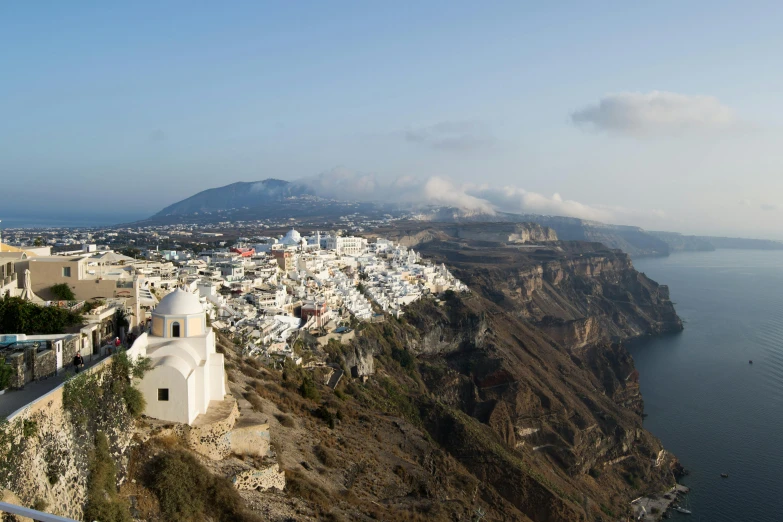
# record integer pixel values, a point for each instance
(117, 344)
(78, 361)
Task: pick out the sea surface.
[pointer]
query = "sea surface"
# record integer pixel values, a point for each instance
(707, 404)
(67, 221)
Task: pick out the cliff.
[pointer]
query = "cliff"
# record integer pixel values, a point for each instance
(523, 382)
(684, 243)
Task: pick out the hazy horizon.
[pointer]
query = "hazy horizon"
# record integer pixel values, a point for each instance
(660, 115)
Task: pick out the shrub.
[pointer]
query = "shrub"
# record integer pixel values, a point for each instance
(285, 420)
(29, 428)
(324, 414)
(298, 485)
(62, 292)
(19, 316)
(134, 401)
(308, 389)
(103, 502)
(5, 374)
(403, 357)
(187, 491)
(327, 456)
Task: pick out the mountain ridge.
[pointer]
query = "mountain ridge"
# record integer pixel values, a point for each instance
(275, 199)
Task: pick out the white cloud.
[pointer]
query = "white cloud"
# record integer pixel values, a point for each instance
(346, 184)
(518, 200)
(451, 135)
(440, 191)
(656, 112)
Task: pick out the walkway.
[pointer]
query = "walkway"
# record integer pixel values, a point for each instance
(12, 400)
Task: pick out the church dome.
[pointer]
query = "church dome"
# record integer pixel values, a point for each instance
(179, 302)
(292, 238)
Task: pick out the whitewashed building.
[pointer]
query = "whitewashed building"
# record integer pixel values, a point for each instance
(187, 373)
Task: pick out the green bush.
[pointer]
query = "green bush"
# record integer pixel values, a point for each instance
(62, 292)
(5, 374)
(103, 501)
(134, 401)
(325, 415)
(309, 390)
(29, 428)
(187, 491)
(20, 316)
(403, 357)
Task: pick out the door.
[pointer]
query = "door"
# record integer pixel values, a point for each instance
(59, 347)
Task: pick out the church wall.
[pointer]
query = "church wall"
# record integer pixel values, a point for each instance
(191, 387)
(195, 326)
(217, 387)
(157, 326)
(201, 390)
(177, 407)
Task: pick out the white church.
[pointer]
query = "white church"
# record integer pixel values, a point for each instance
(187, 373)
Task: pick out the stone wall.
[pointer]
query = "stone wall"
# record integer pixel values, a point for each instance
(44, 455)
(16, 361)
(262, 479)
(70, 347)
(45, 364)
(250, 438)
(210, 436)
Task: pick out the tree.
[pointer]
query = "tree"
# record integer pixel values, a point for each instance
(20, 316)
(38, 242)
(120, 321)
(131, 252)
(62, 292)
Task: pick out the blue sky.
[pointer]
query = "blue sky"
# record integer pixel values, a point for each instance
(137, 106)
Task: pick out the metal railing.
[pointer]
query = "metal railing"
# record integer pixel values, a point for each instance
(31, 513)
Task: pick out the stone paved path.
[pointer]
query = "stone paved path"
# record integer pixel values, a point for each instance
(12, 400)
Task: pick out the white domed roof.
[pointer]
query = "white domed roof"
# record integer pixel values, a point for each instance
(292, 238)
(179, 302)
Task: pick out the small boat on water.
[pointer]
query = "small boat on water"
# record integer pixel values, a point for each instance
(750, 362)
(724, 475)
(685, 509)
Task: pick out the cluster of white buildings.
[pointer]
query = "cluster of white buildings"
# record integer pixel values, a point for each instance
(267, 294)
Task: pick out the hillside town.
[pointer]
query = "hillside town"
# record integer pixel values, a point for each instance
(264, 294)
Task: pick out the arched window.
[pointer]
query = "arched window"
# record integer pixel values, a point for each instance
(175, 330)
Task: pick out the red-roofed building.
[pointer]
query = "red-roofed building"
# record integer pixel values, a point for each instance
(244, 252)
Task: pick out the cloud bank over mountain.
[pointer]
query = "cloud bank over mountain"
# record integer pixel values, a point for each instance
(655, 113)
(345, 184)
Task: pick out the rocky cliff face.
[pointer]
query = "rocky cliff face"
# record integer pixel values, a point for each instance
(525, 381)
(414, 233)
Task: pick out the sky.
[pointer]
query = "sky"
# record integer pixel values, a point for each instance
(665, 115)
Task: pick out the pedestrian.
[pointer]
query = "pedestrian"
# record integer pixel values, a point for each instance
(78, 362)
(117, 343)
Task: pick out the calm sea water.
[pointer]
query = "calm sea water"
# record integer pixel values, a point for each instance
(67, 221)
(711, 408)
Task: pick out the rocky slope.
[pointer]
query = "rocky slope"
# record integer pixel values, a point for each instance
(523, 384)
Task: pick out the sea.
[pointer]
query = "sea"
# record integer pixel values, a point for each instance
(705, 401)
(67, 221)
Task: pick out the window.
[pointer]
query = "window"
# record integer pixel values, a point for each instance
(175, 330)
(163, 394)
(66, 271)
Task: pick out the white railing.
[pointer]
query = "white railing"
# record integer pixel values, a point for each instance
(31, 513)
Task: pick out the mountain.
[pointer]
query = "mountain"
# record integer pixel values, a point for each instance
(278, 200)
(236, 196)
(270, 199)
(682, 243)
